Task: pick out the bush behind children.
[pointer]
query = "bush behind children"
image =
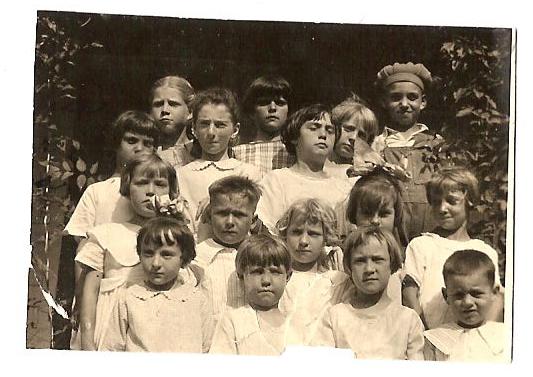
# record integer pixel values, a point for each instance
(408, 282)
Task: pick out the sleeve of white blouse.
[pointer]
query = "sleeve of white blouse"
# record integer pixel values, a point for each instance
(324, 335)
(208, 321)
(415, 260)
(224, 339)
(91, 252)
(270, 206)
(415, 345)
(84, 215)
(115, 339)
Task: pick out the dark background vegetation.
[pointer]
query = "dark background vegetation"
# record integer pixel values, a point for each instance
(91, 67)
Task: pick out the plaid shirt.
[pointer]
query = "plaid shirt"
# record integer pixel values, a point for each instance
(267, 155)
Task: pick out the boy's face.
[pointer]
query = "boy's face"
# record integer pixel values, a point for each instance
(316, 139)
(143, 188)
(270, 113)
(403, 101)
(305, 241)
(470, 297)
(169, 109)
(350, 131)
(370, 266)
(231, 218)
(383, 217)
(132, 145)
(213, 128)
(449, 210)
(264, 285)
(161, 264)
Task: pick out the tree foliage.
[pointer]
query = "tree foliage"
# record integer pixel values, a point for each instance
(476, 128)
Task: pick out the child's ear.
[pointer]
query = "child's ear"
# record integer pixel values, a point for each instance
(424, 102)
(289, 274)
(236, 128)
(206, 214)
(444, 294)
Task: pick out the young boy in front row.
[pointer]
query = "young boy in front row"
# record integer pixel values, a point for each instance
(263, 264)
(231, 214)
(470, 292)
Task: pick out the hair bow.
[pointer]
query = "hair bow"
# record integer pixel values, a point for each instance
(177, 208)
(366, 160)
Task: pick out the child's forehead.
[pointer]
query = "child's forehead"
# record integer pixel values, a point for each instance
(477, 278)
(146, 169)
(371, 245)
(235, 198)
(299, 219)
(403, 87)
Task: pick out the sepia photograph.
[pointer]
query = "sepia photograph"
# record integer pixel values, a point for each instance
(253, 186)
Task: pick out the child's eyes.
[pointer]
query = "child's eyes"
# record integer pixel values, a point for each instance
(174, 103)
(157, 103)
(147, 253)
(412, 96)
(330, 130)
(131, 140)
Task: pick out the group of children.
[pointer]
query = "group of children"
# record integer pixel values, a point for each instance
(304, 236)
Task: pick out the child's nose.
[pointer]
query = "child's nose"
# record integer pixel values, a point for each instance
(266, 280)
(272, 106)
(304, 240)
(156, 262)
(375, 220)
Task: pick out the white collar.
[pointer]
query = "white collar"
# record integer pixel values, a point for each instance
(222, 165)
(210, 249)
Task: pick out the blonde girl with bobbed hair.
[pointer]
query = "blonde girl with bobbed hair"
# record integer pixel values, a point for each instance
(309, 230)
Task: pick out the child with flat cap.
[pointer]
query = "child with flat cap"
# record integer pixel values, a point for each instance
(404, 141)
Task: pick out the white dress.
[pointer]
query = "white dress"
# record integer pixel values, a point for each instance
(386, 330)
(424, 259)
(307, 296)
(100, 203)
(110, 249)
(282, 187)
(239, 333)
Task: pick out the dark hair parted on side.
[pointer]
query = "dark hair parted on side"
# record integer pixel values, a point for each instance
(262, 250)
(360, 237)
(290, 132)
(235, 185)
(160, 231)
(265, 86)
(450, 179)
(373, 192)
(468, 262)
(137, 122)
(150, 166)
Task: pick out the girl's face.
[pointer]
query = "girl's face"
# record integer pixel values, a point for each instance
(169, 109)
(370, 266)
(264, 285)
(161, 264)
(214, 128)
(316, 139)
(382, 217)
(305, 242)
(143, 188)
(270, 113)
(133, 144)
(350, 131)
(449, 210)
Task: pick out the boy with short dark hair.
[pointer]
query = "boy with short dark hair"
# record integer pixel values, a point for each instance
(470, 293)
